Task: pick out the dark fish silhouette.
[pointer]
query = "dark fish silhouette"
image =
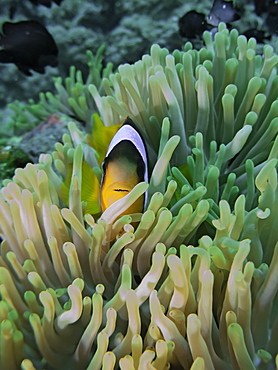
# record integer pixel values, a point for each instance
(259, 35)
(223, 11)
(273, 7)
(46, 3)
(260, 6)
(192, 24)
(28, 45)
(272, 17)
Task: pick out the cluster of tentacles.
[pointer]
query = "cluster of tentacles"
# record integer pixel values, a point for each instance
(190, 283)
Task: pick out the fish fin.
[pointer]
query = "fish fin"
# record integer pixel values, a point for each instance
(101, 136)
(24, 69)
(90, 189)
(64, 189)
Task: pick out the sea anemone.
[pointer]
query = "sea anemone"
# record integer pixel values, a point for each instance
(190, 283)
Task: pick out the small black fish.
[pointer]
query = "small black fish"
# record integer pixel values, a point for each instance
(259, 35)
(273, 7)
(192, 24)
(28, 45)
(272, 17)
(223, 11)
(46, 3)
(260, 6)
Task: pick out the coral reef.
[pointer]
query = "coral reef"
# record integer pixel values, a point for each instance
(36, 127)
(127, 29)
(191, 283)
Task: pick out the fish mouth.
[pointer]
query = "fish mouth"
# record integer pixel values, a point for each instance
(114, 192)
(121, 187)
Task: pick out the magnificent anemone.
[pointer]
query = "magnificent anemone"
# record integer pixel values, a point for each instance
(191, 283)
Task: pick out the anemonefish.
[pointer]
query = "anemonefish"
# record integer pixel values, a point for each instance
(124, 166)
(46, 3)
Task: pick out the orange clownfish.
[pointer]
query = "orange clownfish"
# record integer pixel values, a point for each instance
(124, 166)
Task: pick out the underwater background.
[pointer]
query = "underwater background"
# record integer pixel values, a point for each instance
(181, 270)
